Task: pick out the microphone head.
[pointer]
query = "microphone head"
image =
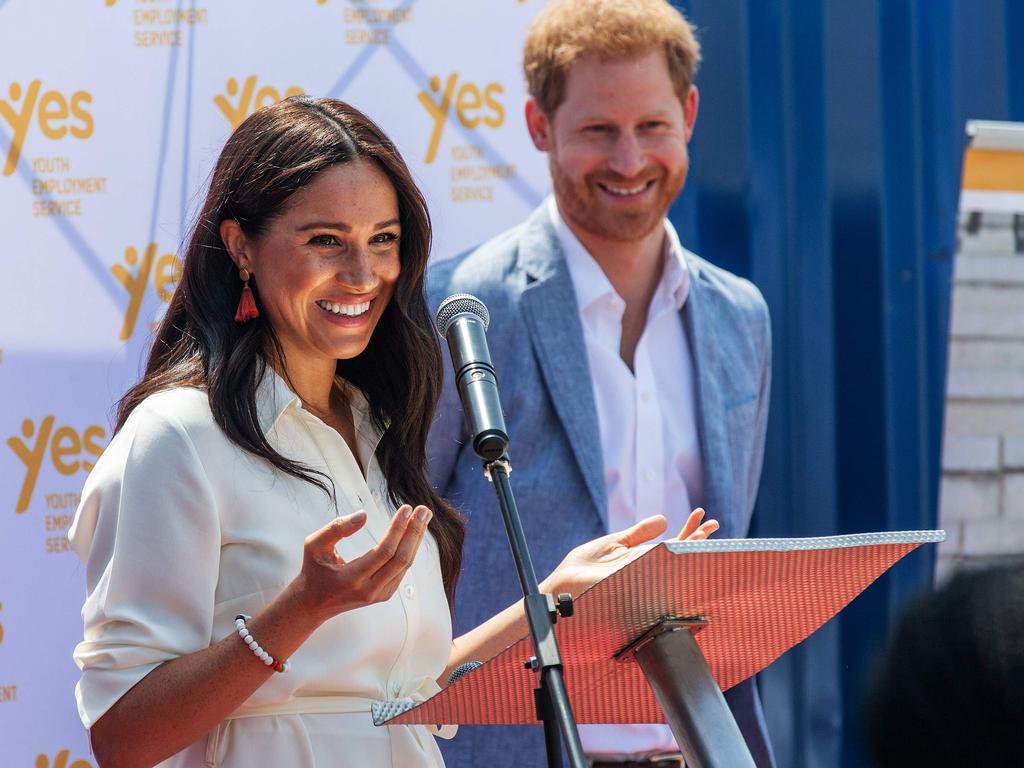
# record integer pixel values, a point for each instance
(459, 304)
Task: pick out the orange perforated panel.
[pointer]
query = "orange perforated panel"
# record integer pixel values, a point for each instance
(759, 597)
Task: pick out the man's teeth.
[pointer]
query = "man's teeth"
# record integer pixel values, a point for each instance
(350, 310)
(623, 191)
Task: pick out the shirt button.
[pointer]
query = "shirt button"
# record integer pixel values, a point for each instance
(645, 395)
(410, 591)
(648, 475)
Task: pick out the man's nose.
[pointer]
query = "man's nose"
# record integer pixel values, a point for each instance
(627, 158)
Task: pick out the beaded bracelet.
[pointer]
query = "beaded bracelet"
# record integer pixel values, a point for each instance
(262, 655)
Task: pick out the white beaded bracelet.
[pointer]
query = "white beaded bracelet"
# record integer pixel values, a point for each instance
(250, 641)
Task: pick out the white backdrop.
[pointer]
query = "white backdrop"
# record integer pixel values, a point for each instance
(111, 115)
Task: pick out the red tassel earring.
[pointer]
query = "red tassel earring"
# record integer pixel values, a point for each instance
(247, 309)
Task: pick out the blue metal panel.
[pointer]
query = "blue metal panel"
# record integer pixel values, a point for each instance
(826, 168)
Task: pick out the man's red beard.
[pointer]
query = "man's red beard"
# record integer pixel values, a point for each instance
(582, 204)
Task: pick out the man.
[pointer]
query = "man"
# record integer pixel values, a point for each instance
(634, 375)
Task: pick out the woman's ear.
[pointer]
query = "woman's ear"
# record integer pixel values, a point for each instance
(234, 239)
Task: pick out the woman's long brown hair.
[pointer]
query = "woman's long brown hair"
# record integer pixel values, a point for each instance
(275, 152)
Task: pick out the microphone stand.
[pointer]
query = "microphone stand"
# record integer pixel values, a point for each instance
(553, 707)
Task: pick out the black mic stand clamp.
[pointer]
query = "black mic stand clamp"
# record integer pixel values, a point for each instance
(542, 611)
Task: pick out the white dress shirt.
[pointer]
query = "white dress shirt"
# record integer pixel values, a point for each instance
(181, 530)
(647, 419)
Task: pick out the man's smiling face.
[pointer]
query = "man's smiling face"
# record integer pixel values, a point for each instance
(617, 145)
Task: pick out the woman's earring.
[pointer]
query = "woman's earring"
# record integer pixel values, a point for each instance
(247, 304)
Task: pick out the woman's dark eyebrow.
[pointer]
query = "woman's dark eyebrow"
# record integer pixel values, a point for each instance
(342, 226)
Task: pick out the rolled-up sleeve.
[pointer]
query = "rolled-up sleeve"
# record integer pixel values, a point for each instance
(149, 533)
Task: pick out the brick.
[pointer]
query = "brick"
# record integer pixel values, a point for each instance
(990, 298)
(988, 312)
(999, 354)
(971, 497)
(985, 324)
(985, 385)
(990, 269)
(1013, 453)
(970, 453)
(1002, 536)
(974, 418)
(1013, 496)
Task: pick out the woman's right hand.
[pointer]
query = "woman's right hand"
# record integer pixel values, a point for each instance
(330, 585)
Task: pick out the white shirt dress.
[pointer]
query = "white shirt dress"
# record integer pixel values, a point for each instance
(181, 530)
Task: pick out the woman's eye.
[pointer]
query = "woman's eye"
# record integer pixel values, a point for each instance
(385, 237)
(324, 240)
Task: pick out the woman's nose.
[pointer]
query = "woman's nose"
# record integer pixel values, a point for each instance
(356, 271)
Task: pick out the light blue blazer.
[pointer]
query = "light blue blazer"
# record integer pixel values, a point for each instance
(536, 343)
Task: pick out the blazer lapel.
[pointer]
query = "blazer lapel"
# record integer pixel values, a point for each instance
(699, 312)
(552, 317)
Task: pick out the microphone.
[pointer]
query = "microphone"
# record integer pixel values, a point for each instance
(462, 320)
(463, 669)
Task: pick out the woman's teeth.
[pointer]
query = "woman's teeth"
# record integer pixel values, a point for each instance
(349, 310)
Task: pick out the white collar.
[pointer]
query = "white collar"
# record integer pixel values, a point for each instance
(274, 396)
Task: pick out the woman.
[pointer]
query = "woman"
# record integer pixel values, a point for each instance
(256, 578)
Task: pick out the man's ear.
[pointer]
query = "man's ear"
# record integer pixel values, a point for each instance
(234, 239)
(690, 105)
(538, 125)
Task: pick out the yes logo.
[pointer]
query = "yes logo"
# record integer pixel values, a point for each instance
(67, 448)
(250, 99)
(61, 761)
(473, 105)
(57, 116)
(165, 279)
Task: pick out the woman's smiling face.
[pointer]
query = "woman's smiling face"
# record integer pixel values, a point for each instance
(326, 268)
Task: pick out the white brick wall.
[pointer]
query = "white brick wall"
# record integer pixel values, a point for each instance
(981, 503)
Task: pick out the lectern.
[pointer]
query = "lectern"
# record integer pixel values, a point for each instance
(659, 639)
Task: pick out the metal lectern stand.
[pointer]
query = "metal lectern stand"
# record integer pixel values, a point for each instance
(693, 704)
(661, 638)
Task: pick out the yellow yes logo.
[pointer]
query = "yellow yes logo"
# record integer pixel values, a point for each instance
(165, 279)
(67, 448)
(61, 761)
(57, 116)
(473, 105)
(249, 99)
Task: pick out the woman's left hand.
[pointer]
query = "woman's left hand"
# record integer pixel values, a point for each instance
(580, 569)
(694, 529)
(589, 563)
